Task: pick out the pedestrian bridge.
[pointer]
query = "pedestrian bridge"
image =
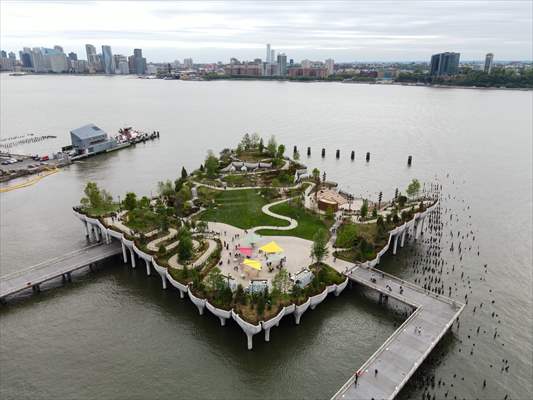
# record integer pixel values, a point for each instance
(62, 266)
(403, 352)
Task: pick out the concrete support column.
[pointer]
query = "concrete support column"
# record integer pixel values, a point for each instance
(222, 321)
(417, 230)
(86, 228)
(404, 234)
(250, 341)
(395, 244)
(267, 335)
(124, 255)
(36, 288)
(132, 258)
(147, 267)
(422, 226)
(297, 318)
(182, 295)
(164, 279)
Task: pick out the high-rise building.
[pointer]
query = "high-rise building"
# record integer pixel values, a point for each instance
(58, 48)
(3, 54)
(92, 58)
(330, 66)
(444, 64)
(37, 60)
(12, 56)
(282, 64)
(138, 62)
(72, 56)
(25, 57)
(55, 60)
(268, 54)
(108, 62)
(489, 58)
(187, 63)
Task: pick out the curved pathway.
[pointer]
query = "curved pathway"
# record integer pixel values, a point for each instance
(173, 261)
(152, 246)
(266, 210)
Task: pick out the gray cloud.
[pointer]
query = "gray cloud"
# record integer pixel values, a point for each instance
(344, 30)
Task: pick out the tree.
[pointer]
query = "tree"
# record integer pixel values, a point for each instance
(402, 200)
(261, 146)
(185, 246)
(215, 280)
(281, 281)
(246, 142)
(330, 214)
(201, 226)
(165, 189)
(255, 139)
(281, 151)
(93, 194)
(375, 212)
(211, 164)
(316, 178)
(296, 156)
(183, 173)
(130, 202)
(364, 209)
(319, 248)
(413, 188)
(381, 227)
(144, 202)
(272, 146)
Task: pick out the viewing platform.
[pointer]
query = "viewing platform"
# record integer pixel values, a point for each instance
(62, 266)
(403, 352)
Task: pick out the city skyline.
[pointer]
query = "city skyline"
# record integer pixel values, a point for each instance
(211, 32)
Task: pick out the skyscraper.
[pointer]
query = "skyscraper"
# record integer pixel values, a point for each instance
(488, 62)
(444, 64)
(108, 61)
(72, 56)
(92, 58)
(282, 64)
(268, 53)
(137, 63)
(272, 56)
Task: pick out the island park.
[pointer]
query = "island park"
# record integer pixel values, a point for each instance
(253, 236)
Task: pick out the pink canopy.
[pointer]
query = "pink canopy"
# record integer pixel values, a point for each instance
(247, 251)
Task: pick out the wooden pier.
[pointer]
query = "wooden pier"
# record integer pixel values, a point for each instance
(63, 266)
(385, 373)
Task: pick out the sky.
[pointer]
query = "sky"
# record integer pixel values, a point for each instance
(346, 31)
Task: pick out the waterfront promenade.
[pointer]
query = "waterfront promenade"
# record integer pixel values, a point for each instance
(403, 352)
(63, 266)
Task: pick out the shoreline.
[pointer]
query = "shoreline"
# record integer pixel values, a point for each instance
(381, 83)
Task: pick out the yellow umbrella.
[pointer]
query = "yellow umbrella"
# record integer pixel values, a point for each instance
(253, 263)
(271, 247)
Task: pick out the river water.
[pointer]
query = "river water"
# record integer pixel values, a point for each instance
(115, 334)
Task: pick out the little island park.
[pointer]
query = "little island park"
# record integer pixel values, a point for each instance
(253, 235)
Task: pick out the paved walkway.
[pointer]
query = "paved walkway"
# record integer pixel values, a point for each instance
(266, 210)
(403, 352)
(153, 245)
(173, 261)
(53, 268)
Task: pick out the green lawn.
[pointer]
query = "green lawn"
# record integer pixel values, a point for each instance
(240, 208)
(308, 223)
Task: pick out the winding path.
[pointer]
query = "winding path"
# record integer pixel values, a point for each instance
(212, 245)
(152, 246)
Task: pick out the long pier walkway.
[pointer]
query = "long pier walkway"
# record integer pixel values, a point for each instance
(403, 352)
(33, 276)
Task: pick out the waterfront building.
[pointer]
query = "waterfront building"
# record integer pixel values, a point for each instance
(137, 63)
(330, 66)
(90, 139)
(92, 58)
(268, 53)
(108, 63)
(3, 54)
(244, 69)
(489, 58)
(272, 56)
(318, 73)
(55, 60)
(38, 60)
(123, 67)
(282, 64)
(25, 58)
(444, 64)
(72, 56)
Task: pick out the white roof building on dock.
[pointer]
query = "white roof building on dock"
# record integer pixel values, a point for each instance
(90, 139)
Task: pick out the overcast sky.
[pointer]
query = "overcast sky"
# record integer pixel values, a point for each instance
(215, 31)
